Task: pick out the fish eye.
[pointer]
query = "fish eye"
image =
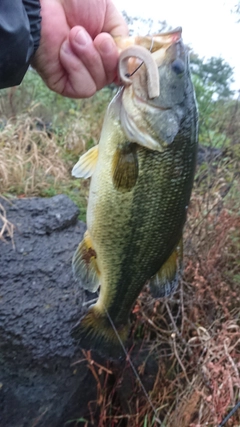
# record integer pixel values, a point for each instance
(178, 66)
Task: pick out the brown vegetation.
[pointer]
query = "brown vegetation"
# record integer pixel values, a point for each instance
(29, 158)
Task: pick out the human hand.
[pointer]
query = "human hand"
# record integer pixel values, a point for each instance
(77, 55)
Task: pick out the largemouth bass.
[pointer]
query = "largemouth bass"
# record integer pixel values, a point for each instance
(141, 179)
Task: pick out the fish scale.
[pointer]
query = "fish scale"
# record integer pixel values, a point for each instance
(155, 236)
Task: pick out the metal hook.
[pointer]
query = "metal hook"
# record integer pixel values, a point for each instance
(150, 50)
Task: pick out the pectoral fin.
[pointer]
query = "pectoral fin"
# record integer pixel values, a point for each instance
(85, 166)
(166, 279)
(85, 266)
(125, 167)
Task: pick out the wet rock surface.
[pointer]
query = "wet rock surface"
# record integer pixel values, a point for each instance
(39, 303)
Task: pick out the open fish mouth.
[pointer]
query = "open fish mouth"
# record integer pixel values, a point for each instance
(152, 56)
(145, 56)
(151, 43)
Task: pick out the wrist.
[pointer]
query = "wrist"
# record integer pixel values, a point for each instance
(33, 9)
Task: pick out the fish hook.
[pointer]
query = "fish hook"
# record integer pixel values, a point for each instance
(152, 69)
(150, 50)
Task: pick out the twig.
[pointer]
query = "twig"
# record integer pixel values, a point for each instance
(178, 358)
(7, 226)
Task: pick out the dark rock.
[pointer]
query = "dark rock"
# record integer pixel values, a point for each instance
(39, 304)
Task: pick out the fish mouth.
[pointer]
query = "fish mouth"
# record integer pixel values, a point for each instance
(153, 86)
(143, 94)
(165, 48)
(151, 43)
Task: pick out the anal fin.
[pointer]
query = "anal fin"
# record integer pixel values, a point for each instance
(165, 281)
(84, 265)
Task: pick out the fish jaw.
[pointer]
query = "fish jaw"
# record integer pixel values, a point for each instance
(148, 50)
(150, 64)
(151, 43)
(153, 122)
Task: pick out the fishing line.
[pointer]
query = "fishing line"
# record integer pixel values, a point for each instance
(150, 50)
(132, 366)
(230, 414)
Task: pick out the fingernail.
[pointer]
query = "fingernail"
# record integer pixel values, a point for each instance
(82, 37)
(66, 47)
(107, 46)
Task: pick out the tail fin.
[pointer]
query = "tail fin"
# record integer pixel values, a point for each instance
(94, 331)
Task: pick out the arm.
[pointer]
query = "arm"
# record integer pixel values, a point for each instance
(20, 24)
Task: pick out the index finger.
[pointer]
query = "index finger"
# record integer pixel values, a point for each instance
(114, 22)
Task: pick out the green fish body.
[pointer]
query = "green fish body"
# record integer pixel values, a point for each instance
(141, 179)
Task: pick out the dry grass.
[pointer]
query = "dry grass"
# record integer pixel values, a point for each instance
(30, 163)
(6, 227)
(30, 159)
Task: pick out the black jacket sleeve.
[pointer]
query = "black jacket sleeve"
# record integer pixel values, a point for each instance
(20, 25)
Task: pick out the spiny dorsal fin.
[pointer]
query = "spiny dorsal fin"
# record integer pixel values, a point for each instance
(85, 266)
(85, 166)
(125, 167)
(166, 279)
